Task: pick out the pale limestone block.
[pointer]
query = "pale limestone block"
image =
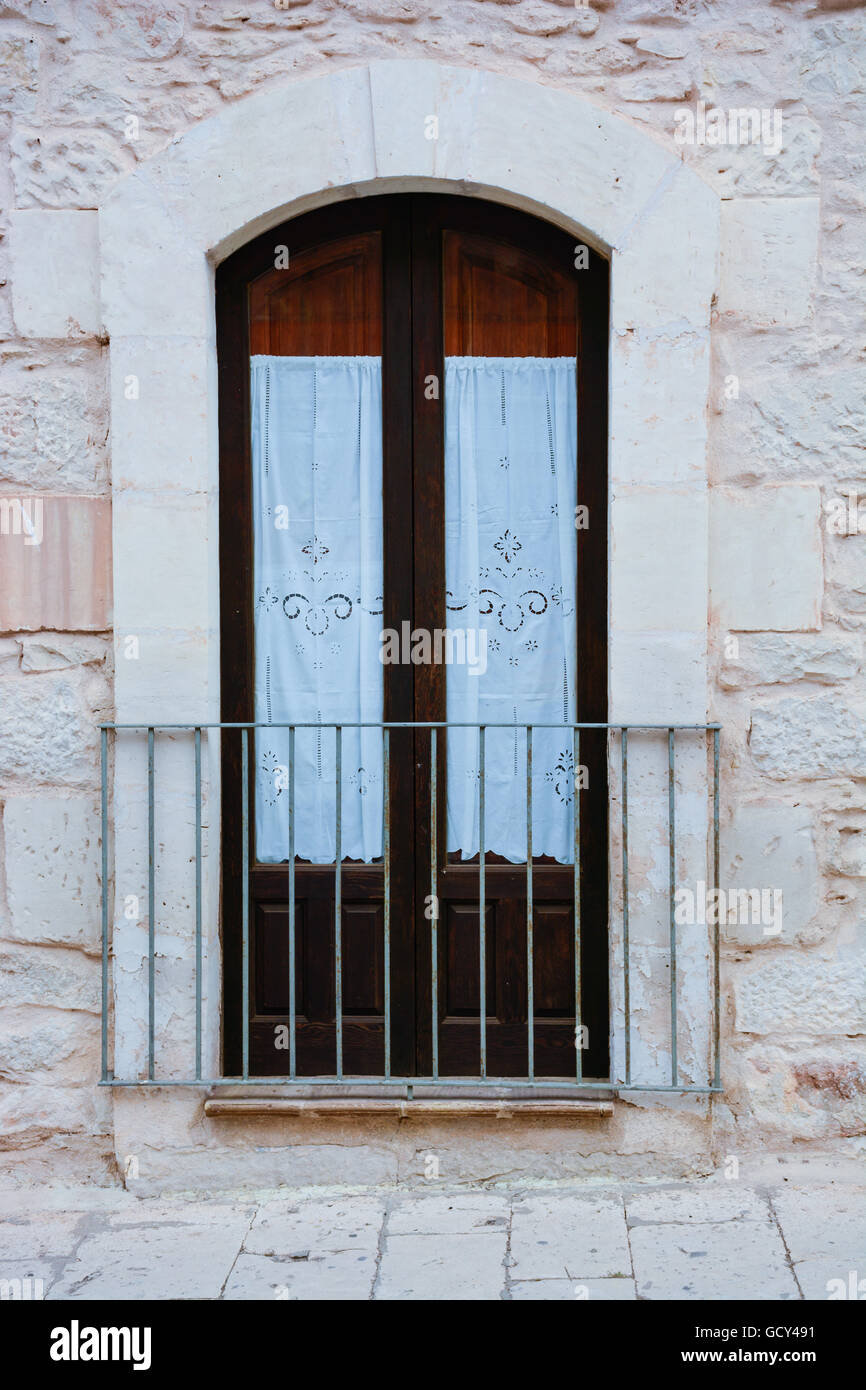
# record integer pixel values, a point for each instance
(51, 978)
(846, 577)
(667, 271)
(766, 565)
(51, 1046)
(573, 1237)
(172, 533)
(388, 11)
(661, 429)
(19, 73)
(802, 994)
(791, 419)
(657, 85)
(850, 852)
(769, 846)
(751, 170)
(658, 677)
(66, 168)
(161, 394)
(155, 278)
(769, 257)
(707, 1260)
(407, 145)
(809, 738)
(662, 45)
(48, 435)
(203, 180)
(443, 1267)
(816, 1093)
(152, 30)
(770, 658)
(59, 575)
(10, 654)
(47, 732)
(658, 566)
(36, 1114)
(55, 273)
(57, 651)
(153, 672)
(565, 154)
(458, 90)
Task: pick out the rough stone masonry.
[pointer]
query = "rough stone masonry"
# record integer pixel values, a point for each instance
(88, 93)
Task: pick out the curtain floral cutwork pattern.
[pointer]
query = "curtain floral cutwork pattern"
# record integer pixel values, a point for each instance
(511, 562)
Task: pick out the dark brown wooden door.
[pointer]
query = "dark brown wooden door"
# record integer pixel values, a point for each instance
(415, 279)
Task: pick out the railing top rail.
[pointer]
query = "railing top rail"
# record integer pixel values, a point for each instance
(409, 724)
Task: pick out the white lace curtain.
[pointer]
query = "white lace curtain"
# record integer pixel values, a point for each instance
(317, 521)
(318, 570)
(511, 570)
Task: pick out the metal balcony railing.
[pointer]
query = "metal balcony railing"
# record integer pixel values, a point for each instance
(663, 834)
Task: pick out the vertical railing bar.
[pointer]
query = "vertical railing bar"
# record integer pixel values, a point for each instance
(434, 895)
(530, 946)
(104, 800)
(386, 857)
(198, 905)
(625, 923)
(578, 1029)
(717, 994)
(482, 908)
(293, 1056)
(671, 895)
(338, 903)
(245, 903)
(151, 906)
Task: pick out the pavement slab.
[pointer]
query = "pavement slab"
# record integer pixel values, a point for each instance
(343, 1275)
(443, 1267)
(152, 1261)
(700, 1240)
(711, 1260)
(555, 1237)
(823, 1221)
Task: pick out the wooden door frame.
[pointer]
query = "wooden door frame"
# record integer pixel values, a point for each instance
(411, 225)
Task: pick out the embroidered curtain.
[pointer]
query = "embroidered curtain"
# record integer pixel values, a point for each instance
(511, 569)
(317, 518)
(318, 572)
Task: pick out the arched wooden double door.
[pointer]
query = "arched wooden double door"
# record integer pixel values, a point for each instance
(460, 348)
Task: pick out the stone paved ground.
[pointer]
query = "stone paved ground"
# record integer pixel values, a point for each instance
(700, 1240)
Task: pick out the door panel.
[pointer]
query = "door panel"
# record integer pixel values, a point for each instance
(502, 300)
(326, 302)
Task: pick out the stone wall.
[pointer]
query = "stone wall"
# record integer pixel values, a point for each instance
(88, 92)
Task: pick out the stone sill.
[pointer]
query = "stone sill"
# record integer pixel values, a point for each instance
(239, 1107)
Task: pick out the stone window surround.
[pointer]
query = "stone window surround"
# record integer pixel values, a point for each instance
(361, 131)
